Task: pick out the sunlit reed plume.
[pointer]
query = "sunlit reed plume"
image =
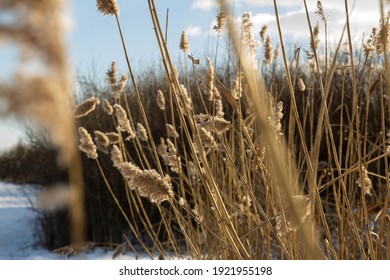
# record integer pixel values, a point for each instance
(102, 141)
(160, 100)
(382, 36)
(248, 38)
(218, 104)
(113, 137)
(152, 185)
(220, 22)
(116, 156)
(162, 148)
(263, 32)
(141, 132)
(169, 155)
(123, 121)
(185, 100)
(370, 46)
(120, 87)
(208, 141)
(320, 11)
(217, 124)
(129, 170)
(301, 85)
(268, 51)
(112, 75)
(184, 44)
(108, 7)
(171, 131)
(276, 119)
(87, 145)
(237, 87)
(148, 183)
(367, 183)
(277, 51)
(210, 77)
(314, 44)
(86, 107)
(172, 159)
(107, 107)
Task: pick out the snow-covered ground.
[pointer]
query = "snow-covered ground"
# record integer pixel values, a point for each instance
(17, 240)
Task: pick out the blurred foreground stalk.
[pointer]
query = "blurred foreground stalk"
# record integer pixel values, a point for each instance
(39, 88)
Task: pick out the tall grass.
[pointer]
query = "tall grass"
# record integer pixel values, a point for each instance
(282, 164)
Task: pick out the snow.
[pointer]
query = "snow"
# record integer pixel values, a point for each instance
(17, 240)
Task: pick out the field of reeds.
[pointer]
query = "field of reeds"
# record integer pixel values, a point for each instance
(272, 158)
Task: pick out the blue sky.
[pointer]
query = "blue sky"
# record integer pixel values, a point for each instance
(94, 41)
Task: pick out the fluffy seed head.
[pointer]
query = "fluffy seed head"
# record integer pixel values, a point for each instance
(320, 11)
(107, 107)
(113, 137)
(247, 34)
(162, 148)
(142, 134)
(151, 185)
(301, 85)
(119, 88)
(108, 7)
(217, 124)
(263, 32)
(123, 121)
(369, 46)
(129, 170)
(237, 87)
(160, 100)
(382, 39)
(276, 119)
(268, 51)
(86, 107)
(102, 141)
(210, 77)
(218, 105)
(208, 141)
(171, 131)
(86, 144)
(112, 74)
(277, 51)
(172, 159)
(367, 183)
(116, 157)
(185, 101)
(314, 44)
(184, 44)
(220, 22)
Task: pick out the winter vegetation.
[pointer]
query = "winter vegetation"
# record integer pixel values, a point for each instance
(254, 153)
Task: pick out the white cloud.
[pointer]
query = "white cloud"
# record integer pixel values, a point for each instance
(268, 3)
(364, 15)
(193, 30)
(205, 5)
(294, 23)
